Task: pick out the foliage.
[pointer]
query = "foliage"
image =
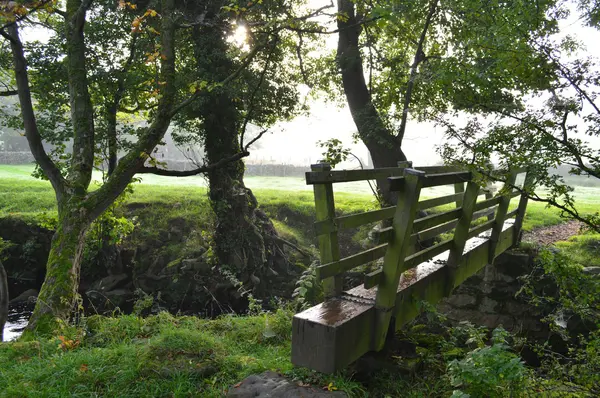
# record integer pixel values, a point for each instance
(555, 128)
(491, 371)
(308, 288)
(569, 299)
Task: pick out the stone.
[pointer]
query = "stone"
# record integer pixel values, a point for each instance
(27, 296)
(488, 305)
(592, 271)
(108, 301)
(273, 385)
(462, 300)
(110, 282)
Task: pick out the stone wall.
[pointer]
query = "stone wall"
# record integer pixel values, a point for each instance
(488, 297)
(16, 157)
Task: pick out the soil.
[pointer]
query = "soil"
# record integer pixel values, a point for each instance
(554, 233)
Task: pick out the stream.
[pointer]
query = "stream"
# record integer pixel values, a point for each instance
(18, 315)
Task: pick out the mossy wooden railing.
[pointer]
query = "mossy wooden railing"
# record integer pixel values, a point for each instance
(350, 323)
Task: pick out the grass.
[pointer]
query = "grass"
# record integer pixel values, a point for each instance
(158, 356)
(582, 249)
(287, 199)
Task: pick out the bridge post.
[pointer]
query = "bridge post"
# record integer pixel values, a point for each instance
(329, 247)
(527, 184)
(459, 187)
(461, 231)
(501, 214)
(393, 263)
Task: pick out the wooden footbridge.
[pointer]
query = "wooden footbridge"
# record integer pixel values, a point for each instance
(350, 323)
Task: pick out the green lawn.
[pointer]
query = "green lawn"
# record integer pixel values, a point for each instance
(23, 195)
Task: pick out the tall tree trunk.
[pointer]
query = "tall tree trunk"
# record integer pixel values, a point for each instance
(3, 300)
(244, 234)
(380, 141)
(58, 294)
(239, 234)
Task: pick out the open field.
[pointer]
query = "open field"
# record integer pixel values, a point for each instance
(23, 195)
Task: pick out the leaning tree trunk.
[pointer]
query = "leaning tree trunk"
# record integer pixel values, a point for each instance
(58, 295)
(380, 141)
(3, 300)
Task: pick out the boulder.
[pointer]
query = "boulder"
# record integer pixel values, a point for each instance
(109, 283)
(27, 296)
(273, 385)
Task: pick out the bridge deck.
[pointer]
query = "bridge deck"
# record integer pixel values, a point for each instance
(335, 333)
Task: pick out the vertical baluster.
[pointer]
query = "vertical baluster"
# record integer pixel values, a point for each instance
(501, 214)
(393, 263)
(329, 248)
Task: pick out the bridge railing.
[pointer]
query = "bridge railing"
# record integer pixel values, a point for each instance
(401, 242)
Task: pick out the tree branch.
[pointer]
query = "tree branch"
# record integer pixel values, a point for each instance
(199, 170)
(419, 57)
(29, 120)
(8, 93)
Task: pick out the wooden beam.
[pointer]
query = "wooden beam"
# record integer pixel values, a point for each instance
(329, 248)
(393, 263)
(354, 220)
(348, 263)
(324, 176)
(435, 219)
(501, 215)
(464, 223)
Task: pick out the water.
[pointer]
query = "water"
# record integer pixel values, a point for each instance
(18, 315)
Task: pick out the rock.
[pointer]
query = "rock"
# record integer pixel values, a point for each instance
(487, 305)
(110, 282)
(462, 300)
(273, 385)
(592, 271)
(108, 301)
(26, 296)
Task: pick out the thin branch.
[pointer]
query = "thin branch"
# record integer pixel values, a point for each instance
(253, 95)
(199, 170)
(419, 57)
(29, 120)
(8, 93)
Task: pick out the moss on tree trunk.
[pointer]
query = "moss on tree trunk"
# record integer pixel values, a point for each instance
(3, 300)
(58, 294)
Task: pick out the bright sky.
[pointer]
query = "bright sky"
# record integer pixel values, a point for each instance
(295, 142)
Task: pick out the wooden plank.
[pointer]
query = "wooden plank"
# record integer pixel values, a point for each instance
(424, 255)
(527, 184)
(348, 263)
(435, 219)
(373, 278)
(435, 180)
(442, 200)
(384, 235)
(321, 177)
(484, 204)
(501, 216)
(329, 247)
(354, 220)
(489, 195)
(512, 213)
(459, 188)
(480, 228)
(464, 222)
(393, 263)
(439, 169)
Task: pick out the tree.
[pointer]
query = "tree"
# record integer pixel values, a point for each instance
(245, 240)
(3, 300)
(105, 60)
(424, 58)
(552, 130)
